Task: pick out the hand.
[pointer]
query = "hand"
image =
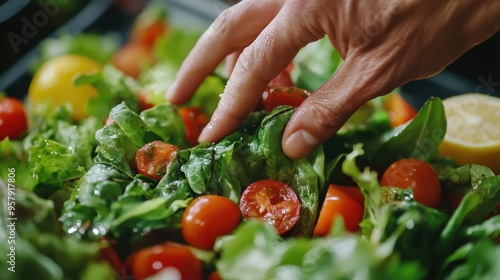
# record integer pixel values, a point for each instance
(384, 44)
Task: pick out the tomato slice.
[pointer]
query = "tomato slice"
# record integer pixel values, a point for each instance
(273, 97)
(344, 201)
(272, 202)
(177, 258)
(194, 120)
(153, 158)
(13, 120)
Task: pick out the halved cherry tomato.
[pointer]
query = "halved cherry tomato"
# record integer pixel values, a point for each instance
(273, 97)
(194, 120)
(13, 120)
(153, 158)
(417, 175)
(344, 201)
(273, 202)
(208, 217)
(399, 110)
(132, 58)
(142, 98)
(151, 260)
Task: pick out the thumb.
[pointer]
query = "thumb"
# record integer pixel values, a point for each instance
(329, 107)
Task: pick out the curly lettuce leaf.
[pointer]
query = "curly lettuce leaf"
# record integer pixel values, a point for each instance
(113, 87)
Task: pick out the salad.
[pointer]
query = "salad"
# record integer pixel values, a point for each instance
(110, 183)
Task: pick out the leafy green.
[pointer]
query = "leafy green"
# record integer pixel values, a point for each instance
(255, 251)
(113, 87)
(419, 139)
(41, 250)
(110, 198)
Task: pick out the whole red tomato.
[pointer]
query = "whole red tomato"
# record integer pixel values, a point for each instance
(208, 217)
(177, 258)
(417, 175)
(13, 120)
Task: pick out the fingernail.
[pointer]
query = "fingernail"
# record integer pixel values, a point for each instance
(300, 143)
(171, 90)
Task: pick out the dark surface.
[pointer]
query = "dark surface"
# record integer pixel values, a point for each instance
(476, 71)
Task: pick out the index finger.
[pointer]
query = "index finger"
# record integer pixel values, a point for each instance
(258, 64)
(234, 29)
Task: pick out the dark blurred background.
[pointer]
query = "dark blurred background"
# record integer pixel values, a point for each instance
(25, 23)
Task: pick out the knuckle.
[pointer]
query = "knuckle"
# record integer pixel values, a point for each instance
(326, 118)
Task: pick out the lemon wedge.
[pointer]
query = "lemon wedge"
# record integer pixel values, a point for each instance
(473, 130)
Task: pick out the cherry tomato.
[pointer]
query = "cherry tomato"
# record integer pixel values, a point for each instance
(208, 217)
(142, 98)
(276, 96)
(194, 121)
(13, 120)
(148, 32)
(344, 201)
(53, 84)
(273, 202)
(132, 58)
(417, 175)
(151, 260)
(399, 110)
(153, 158)
(284, 79)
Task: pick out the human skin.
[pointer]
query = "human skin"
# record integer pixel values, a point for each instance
(384, 44)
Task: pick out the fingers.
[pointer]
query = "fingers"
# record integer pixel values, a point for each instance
(234, 29)
(260, 62)
(328, 108)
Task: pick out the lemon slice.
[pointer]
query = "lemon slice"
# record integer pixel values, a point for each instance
(473, 130)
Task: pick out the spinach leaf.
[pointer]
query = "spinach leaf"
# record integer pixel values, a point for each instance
(419, 139)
